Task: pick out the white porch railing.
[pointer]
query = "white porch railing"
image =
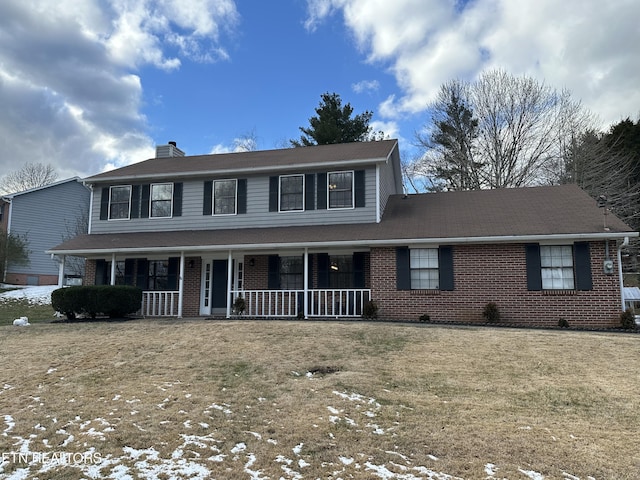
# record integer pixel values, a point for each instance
(160, 303)
(290, 303)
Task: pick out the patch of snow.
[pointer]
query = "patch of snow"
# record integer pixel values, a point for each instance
(239, 447)
(298, 448)
(40, 295)
(531, 474)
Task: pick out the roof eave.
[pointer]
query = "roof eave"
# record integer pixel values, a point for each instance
(564, 237)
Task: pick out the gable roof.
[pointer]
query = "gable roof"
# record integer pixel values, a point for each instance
(43, 187)
(344, 154)
(559, 213)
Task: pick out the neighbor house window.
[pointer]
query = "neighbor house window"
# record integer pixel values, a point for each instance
(341, 271)
(119, 202)
(424, 269)
(161, 200)
(556, 262)
(340, 189)
(225, 197)
(291, 193)
(291, 273)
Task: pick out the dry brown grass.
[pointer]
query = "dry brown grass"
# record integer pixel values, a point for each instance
(413, 399)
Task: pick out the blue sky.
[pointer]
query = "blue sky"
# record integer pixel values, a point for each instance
(89, 85)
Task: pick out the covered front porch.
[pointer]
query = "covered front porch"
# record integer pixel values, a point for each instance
(294, 283)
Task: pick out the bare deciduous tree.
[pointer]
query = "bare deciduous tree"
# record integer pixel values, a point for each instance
(31, 175)
(499, 131)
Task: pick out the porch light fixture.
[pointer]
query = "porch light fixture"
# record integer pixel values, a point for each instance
(252, 262)
(334, 267)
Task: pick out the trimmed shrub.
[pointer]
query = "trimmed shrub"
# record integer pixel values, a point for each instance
(370, 310)
(628, 320)
(112, 300)
(239, 305)
(563, 323)
(425, 318)
(491, 313)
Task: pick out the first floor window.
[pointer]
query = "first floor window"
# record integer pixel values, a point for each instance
(161, 200)
(341, 271)
(158, 278)
(291, 273)
(340, 189)
(291, 193)
(557, 267)
(119, 202)
(424, 269)
(224, 197)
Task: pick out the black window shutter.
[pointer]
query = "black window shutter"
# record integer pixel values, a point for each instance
(359, 188)
(242, 196)
(534, 268)
(172, 273)
(273, 273)
(403, 269)
(310, 191)
(273, 193)
(207, 202)
(101, 272)
(104, 204)
(142, 276)
(323, 270)
(358, 270)
(582, 259)
(177, 199)
(129, 266)
(445, 267)
(135, 201)
(321, 190)
(144, 202)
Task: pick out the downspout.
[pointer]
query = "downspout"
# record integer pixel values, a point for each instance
(90, 208)
(620, 277)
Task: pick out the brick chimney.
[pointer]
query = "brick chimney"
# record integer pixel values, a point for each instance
(168, 150)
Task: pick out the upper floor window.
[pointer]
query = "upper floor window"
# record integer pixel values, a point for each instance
(225, 197)
(340, 189)
(556, 263)
(424, 269)
(161, 200)
(291, 193)
(119, 202)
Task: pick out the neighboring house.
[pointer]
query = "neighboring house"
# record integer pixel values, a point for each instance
(319, 231)
(4, 215)
(46, 216)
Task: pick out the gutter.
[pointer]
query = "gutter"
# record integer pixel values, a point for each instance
(353, 243)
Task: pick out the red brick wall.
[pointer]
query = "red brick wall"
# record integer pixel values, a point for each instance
(496, 273)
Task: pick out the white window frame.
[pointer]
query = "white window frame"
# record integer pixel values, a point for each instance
(419, 263)
(558, 262)
(111, 188)
(280, 193)
(213, 197)
(163, 200)
(353, 193)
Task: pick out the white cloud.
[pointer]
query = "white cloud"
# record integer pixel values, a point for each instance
(68, 84)
(588, 47)
(366, 86)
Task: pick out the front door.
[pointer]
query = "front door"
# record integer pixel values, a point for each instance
(214, 287)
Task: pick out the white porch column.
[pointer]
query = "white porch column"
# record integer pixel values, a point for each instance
(306, 283)
(61, 260)
(181, 285)
(229, 282)
(113, 269)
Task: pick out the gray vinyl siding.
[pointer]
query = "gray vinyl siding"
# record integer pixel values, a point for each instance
(47, 216)
(257, 216)
(387, 184)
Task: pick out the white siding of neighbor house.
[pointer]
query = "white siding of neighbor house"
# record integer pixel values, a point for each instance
(257, 216)
(47, 216)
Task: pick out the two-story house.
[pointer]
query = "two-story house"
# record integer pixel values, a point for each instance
(320, 231)
(45, 216)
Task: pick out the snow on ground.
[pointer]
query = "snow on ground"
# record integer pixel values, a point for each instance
(193, 454)
(35, 295)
